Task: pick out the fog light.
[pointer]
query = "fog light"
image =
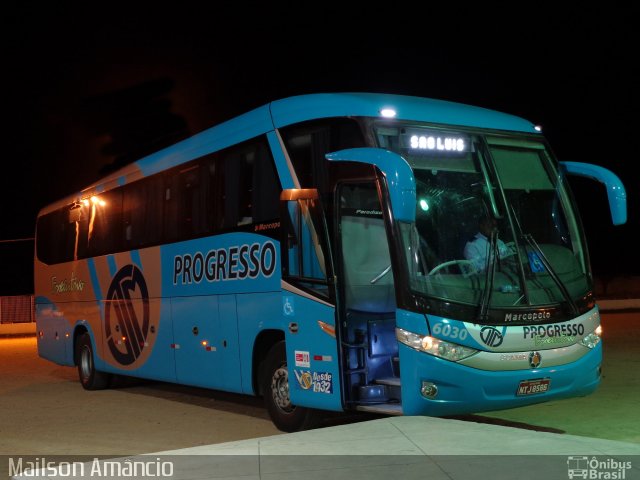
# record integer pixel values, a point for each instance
(429, 390)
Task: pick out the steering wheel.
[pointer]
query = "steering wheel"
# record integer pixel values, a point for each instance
(510, 252)
(467, 267)
(510, 247)
(380, 275)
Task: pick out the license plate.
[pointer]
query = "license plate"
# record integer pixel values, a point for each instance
(533, 387)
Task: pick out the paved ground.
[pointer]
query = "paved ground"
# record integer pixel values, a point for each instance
(43, 409)
(613, 411)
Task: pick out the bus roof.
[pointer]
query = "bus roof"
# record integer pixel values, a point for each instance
(306, 107)
(281, 113)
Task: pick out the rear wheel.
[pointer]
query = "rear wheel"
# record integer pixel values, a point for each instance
(90, 378)
(275, 386)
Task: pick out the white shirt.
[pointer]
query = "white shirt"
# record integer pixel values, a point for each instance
(477, 250)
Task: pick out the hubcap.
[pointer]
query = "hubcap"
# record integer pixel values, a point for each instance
(280, 390)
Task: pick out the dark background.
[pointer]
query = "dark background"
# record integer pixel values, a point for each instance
(86, 90)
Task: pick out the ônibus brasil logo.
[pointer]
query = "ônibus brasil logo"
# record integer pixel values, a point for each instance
(127, 332)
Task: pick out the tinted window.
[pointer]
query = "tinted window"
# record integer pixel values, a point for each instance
(221, 191)
(308, 143)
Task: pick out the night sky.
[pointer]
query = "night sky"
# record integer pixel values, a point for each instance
(88, 90)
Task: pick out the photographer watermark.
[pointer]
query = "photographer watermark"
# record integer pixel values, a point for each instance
(595, 468)
(116, 468)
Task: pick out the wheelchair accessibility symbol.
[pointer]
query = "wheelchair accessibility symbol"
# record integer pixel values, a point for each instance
(288, 307)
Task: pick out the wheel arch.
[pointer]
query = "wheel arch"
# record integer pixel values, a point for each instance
(79, 329)
(263, 343)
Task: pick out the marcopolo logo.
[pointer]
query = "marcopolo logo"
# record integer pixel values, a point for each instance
(527, 316)
(126, 320)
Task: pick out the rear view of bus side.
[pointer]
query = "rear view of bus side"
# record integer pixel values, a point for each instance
(333, 252)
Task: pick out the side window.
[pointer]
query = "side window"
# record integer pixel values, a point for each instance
(77, 231)
(54, 243)
(190, 197)
(305, 246)
(266, 185)
(252, 188)
(238, 167)
(307, 144)
(142, 213)
(212, 179)
(104, 233)
(224, 190)
(80, 230)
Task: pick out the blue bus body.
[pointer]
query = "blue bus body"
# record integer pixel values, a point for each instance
(285, 253)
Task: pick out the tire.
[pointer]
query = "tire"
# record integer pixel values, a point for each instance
(275, 387)
(90, 378)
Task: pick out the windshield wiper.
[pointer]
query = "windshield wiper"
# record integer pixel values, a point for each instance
(489, 275)
(552, 273)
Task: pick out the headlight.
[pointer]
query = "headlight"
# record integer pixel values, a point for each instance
(434, 346)
(593, 339)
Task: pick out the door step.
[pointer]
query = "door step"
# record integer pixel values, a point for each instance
(384, 408)
(391, 381)
(382, 391)
(392, 385)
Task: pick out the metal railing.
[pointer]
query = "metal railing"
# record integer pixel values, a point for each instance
(16, 309)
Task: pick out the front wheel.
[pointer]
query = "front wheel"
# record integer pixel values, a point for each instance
(90, 378)
(275, 386)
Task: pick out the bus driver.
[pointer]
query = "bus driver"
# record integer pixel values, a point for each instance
(477, 249)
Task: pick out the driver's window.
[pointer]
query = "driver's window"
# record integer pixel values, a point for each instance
(450, 206)
(365, 250)
(305, 260)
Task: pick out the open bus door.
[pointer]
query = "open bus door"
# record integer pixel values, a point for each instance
(372, 187)
(310, 377)
(368, 313)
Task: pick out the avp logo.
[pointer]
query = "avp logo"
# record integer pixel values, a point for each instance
(491, 336)
(127, 331)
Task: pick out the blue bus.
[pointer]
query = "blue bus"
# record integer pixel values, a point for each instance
(354, 251)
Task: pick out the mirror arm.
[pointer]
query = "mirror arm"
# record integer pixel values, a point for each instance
(615, 189)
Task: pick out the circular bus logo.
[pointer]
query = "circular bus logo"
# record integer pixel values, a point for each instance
(126, 319)
(535, 359)
(491, 336)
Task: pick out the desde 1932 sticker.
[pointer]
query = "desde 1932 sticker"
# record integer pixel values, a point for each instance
(321, 382)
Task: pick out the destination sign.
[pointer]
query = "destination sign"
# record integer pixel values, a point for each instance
(427, 141)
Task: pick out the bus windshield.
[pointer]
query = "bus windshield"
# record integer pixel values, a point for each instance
(495, 225)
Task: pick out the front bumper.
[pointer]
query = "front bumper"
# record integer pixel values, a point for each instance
(462, 389)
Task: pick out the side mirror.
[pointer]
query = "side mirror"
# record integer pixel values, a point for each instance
(615, 189)
(396, 170)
